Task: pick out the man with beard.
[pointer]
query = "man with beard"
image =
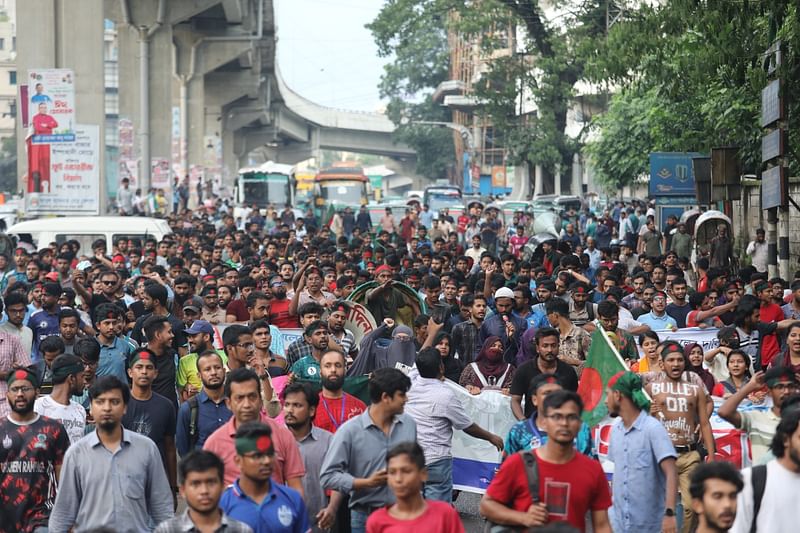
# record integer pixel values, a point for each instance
(225, 296)
(92, 498)
(159, 334)
(465, 334)
(204, 413)
(337, 406)
(634, 300)
(300, 404)
(149, 413)
(341, 335)
(714, 489)
(211, 311)
(187, 377)
(645, 479)
(547, 342)
(504, 325)
(278, 313)
(32, 451)
(760, 425)
(316, 334)
(681, 403)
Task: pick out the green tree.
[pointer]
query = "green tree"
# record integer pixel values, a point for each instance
(8, 164)
(414, 34)
(689, 76)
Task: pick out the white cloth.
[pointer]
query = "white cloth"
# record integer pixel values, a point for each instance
(72, 416)
(779, 511)
(758, 253)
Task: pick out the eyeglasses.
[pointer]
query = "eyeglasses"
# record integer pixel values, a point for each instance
(89, 363)
(107, 282)
(402, 337)
(23, 390)
(558, 418)
(246, 345)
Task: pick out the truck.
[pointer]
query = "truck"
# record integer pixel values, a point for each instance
(341, 185)
(270, 183)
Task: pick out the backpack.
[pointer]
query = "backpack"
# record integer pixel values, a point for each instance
(759, 480)
(194, 434)
(532, 475)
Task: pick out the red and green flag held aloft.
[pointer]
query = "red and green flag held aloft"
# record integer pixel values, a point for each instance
(602, 363)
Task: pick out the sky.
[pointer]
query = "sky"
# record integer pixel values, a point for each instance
(327, 55)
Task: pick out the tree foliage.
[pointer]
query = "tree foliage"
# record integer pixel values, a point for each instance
(414, 34)
(689, 75)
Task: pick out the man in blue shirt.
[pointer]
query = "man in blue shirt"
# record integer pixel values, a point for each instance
(254, 499)
(645, 484)
(114, 351)
(203, 414)
(657, 318)
(44, 322)
(504, 325)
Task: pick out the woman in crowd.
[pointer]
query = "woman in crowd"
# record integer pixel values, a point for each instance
(489, 371)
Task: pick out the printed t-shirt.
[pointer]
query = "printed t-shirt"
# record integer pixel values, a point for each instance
(29, 454)
(330, 412)
(279, 314)
(72, 416)
(569, 490)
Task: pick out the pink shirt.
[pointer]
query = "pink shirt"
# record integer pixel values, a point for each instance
(288, 463)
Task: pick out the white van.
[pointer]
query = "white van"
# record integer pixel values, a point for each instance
(86, 230)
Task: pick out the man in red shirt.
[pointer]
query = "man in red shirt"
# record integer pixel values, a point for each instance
(769, 311)
(335, 406)
(406, 473)
(570, 484)
(278, 313)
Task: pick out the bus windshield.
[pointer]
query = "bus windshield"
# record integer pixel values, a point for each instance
(345, 192)
(441, 198)
(266, 190)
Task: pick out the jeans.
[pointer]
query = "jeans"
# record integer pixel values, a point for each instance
(358, 521)
(440, 481)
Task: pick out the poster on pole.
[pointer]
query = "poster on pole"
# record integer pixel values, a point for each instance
(74, 184)
(159, 173)
(129, 168)
(51, 109)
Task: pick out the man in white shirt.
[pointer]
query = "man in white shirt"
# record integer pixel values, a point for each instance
(67, 382)
(778, 511)
(757, 250)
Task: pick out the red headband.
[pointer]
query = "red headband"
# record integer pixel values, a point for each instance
(383, 268)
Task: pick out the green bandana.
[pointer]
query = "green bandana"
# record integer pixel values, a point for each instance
(630, 384)
(262, 444)
(23, 374)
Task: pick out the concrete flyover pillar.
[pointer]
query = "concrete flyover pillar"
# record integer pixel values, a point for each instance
(65, 34)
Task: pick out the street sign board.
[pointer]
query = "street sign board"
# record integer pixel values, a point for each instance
(671, 174)
(772, 145)
(773, 188)
(771, 108)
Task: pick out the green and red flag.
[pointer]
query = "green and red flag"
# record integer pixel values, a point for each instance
(601, 364)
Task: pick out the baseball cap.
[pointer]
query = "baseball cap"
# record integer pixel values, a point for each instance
(503, 292)
(200, 326)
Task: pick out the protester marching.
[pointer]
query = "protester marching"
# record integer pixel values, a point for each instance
(279, 373)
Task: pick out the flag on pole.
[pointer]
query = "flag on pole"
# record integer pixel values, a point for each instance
(602, 363)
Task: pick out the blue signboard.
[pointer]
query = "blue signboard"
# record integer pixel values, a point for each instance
(671, 174)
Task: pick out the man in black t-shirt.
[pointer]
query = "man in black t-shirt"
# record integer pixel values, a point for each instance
(149, 413)
(546, 345)
(155, 303)
(32, 449)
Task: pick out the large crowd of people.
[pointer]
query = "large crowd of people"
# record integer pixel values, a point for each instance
(140, 377)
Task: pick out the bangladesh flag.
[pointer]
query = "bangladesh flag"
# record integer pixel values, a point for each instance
(602, 363)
